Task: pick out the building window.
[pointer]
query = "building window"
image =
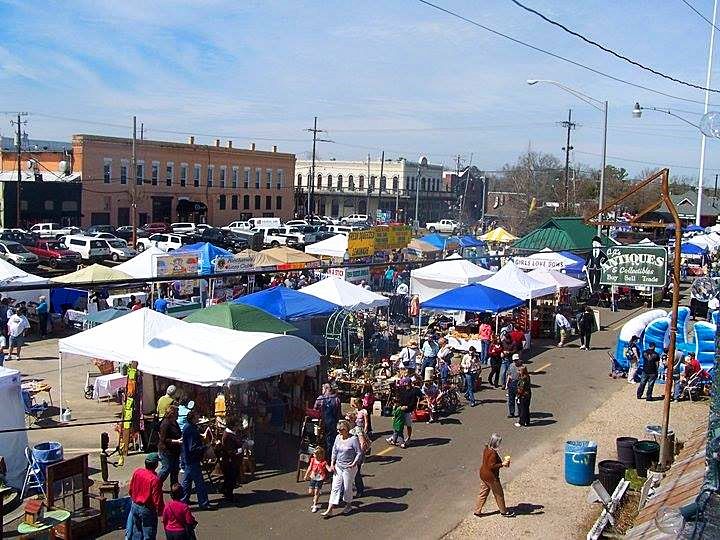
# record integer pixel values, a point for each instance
(278, 203)
(234, 202)
(268, 202)
(258, 172)
(383, 184)
(210, 170)
(123, 173)
(319, 181)
(351, 183)
(139, 173)
(257, 202)
(371, 184)
(169, 173)
(223, 173)
(107, 170)
(69, 206)
(183, 174)
(246, 202)
(299, 180)
(422, 184)
(396, 184)
(329, 181)
(361, 182)
(246, 179)
(235, 177)
(50, 205)
(280, 177)
(155, 172)
(268, 179)
(196, 175)
(223, 202)
(339, 182)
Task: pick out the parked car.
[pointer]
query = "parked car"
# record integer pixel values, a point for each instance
(275, 237)
(99, 229)
(125, 232)
(302, 234)
(55, 254)
(88, 247)
(119, 249)
(18, 255)
(103, 235)
(222, 238)
(354, 219)
(343, 229)
(157, 227)
(297, 222)
(53, 230)
(264, 222)
(166, 242)
(18, 235)
(236, 226)
(184, 227)
(448, 226)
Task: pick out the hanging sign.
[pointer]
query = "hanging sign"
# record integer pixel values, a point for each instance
(399, 236)
(635, 265)
(361, 243)
(175, 265)
(228, 264)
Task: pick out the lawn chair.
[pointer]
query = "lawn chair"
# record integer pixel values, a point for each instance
(694, 386)
(33, 410)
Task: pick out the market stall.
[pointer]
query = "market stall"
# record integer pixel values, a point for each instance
(498, 235)
(417, 249)
(284, 258)
(288, 304)
(12, 416)
(206, 253)
(12, 275)
(334, 247)
(339, 292)
(545, 258)
(143, 264)
(434, 279)
(240, 317)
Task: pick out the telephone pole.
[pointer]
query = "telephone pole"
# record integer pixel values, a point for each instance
(18, 147)
(569, 125)
(369, 188)
(380, 186)
(311, 185)
(133, 186)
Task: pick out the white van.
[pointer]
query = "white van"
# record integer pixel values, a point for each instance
(89, 248)
(264, 222)
(183, 227)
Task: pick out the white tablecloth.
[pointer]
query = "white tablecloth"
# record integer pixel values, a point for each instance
(108, 385)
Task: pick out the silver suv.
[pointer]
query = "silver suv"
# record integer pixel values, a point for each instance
(17, 254)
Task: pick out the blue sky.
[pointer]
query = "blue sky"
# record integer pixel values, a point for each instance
(394, 75)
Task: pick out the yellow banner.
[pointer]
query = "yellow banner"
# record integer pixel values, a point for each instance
(361, 243)
(399, 236)
(381, 238)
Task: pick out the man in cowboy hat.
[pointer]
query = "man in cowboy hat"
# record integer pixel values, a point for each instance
(432, 396)
(407, 357)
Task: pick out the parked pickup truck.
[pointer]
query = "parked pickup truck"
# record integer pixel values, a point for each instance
(55, 254)
(222, 238)
(449, 226)
(275, 237)
(53, 230)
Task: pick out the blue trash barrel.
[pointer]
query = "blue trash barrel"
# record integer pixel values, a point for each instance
(580, 462)
(47, 453)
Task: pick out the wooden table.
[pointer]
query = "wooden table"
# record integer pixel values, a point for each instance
(44, 529)
(37, 387)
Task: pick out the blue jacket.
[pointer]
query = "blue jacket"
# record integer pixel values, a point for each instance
(193, 448)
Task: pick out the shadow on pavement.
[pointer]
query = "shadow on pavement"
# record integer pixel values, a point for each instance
(266, 496)
(444, 421)
(528, 509)
(429, 441)
(384, 459)
(387, 492)
(541, 415)
(540, 423)
(383, 507)
(486, 401)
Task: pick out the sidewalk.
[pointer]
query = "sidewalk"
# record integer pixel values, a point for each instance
(547, 507)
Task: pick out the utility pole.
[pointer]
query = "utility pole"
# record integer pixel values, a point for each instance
(142, 131)
(369, 188)
(462, 201)
(133, 186)
(18, 147)
(569, 125)
(382, 164)
(311, 184)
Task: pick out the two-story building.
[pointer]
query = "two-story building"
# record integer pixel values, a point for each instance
(180, 181)
(341, 188)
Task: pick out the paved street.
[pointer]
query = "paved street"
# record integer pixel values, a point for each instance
(434, 479)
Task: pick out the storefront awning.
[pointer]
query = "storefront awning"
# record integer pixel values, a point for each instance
(185, 206)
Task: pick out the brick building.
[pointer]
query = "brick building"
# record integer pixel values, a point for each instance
(181, 181)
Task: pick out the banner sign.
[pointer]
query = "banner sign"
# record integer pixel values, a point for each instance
(635, 265)
(399, 237)
(381, 238)
(173, 265)
(231, 264)
(352, 275)
(530, 263)
(361, 243)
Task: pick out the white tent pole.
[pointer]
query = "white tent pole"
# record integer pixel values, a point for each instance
(60, 388)
(530, 324)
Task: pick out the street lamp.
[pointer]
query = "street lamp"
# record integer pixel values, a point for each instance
(601, 106)
(422, 162)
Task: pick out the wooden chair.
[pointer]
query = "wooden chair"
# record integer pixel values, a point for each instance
(67, 486)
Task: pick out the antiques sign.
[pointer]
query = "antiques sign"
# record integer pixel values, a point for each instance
(634, 265)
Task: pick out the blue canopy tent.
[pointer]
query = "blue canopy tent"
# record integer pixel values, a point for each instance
(692, 249)
(474, 297)
(577, 267)
(468, 241)
(288, 304)
(207, 252)
(693, 228)
(436, 239)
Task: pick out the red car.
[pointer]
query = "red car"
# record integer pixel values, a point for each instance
(55, 254)
(153, 228)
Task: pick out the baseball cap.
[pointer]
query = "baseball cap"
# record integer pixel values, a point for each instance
(516, 356)
(152, 458)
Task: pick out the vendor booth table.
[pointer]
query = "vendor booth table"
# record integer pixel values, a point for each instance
(108, 385)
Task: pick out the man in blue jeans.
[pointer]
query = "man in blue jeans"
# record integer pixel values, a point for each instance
(511, 385)
(467, 364)
(145, 491)
(193, 451)
(651, 359)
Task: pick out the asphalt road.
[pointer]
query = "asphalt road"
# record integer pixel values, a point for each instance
(428, 488)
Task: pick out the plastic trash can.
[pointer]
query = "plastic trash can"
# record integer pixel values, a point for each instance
(580, 462)
(646, 453)
(610, 472)
(47, 453)
(625, 452)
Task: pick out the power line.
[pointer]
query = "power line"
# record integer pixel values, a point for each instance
(554, 55)
(610, 51)
(671, 165)
(703, 17)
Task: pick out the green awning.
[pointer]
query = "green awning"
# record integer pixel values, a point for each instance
(560, 234)
(240, 317)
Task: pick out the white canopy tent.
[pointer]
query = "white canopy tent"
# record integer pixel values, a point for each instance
(558, 279)
(212, 356)
(344, 294)
(143, 264)
(12, 275)
(432, 280)
(12, 416)
(545, 258)
(705, 241)
(335, 246)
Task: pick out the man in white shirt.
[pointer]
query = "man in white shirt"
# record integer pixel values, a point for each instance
(563, 325)
(713, 305)
(402, 289)
(17, 324)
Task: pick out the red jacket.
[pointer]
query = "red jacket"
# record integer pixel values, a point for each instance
(146, 489)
